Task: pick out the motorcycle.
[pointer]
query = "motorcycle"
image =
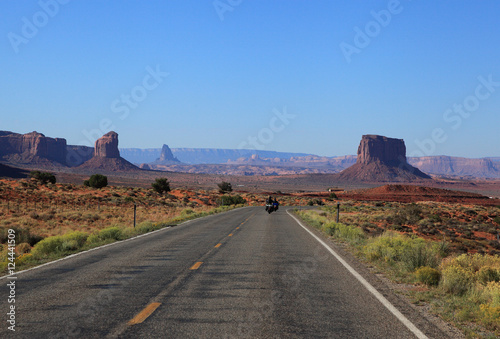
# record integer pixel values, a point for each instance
(272, 207)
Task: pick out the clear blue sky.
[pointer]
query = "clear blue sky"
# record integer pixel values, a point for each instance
(67, 70)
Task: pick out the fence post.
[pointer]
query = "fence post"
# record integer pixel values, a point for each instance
(338, 212)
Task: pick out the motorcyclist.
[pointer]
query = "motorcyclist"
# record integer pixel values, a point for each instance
(276, 204)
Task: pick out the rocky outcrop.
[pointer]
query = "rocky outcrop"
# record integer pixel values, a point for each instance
(381, 159)
(107, 156)
(31, 148)
(166, 157)
(107, 146)
(376, 148)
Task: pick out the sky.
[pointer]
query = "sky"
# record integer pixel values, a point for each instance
(283, 75)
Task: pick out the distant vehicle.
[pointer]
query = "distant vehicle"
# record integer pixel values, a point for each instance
(271, 205)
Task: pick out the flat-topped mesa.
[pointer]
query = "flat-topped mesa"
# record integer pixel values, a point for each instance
(377, 148)
(381, 159)
(107, 146)
(31, 148)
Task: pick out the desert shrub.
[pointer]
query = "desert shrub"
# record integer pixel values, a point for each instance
(332, 196)
(428, 276)
(22, 235)
(96, 181)
(161, 185)
(228, 200)
(347, 233)
(187, 212)
(22, 259)
(410, 214)
(419, 253)
(145, 227)
(60, 244)
(105, 235)
(23, 247)
(225, 187)
(488, 274)
(456, 279)
(43, 177)
(462, 273)
(410, 253)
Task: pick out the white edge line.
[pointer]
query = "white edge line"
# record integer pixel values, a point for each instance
(110, 244)
(367, 285)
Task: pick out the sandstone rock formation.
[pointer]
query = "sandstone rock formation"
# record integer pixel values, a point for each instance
(107, 146)
(32, 148)
(376, 148)
(381, 159)
(166, 157)
(107, 156)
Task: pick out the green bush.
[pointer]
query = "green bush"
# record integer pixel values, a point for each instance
(347, 233)
(462, 273)
(428, 276)
(487, 274)
(60, 244)
(105, 235)
(161, 185)
(43, 177)
(228, 200)
(410, 253)
(225, 187)
(96, 181)
(456, 279)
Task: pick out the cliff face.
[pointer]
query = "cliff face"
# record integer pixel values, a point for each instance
(376, 148)
(381, 159)
(107, 146)
(31, 148)
(481, 168)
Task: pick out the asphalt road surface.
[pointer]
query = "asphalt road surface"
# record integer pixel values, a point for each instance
(240, 274)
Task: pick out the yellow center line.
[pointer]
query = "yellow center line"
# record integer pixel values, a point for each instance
(230, 235)
(142, 315)
(238, 228)
(197, 265)
(218, 245)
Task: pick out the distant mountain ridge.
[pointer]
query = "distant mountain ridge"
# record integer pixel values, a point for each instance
(196, 156)
(35, 150)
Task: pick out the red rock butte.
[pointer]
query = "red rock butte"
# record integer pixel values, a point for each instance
(381, 159)
(107, 146)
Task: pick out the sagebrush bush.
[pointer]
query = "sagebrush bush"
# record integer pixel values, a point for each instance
(347, 233)
(48, 246)
(60, 244)
(457, 279)
(410, 253)
(428, 276)
(462, 273)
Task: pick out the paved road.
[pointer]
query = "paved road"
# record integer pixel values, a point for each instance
(241, 274)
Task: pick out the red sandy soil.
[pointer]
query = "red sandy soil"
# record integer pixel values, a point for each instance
(410, 193)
